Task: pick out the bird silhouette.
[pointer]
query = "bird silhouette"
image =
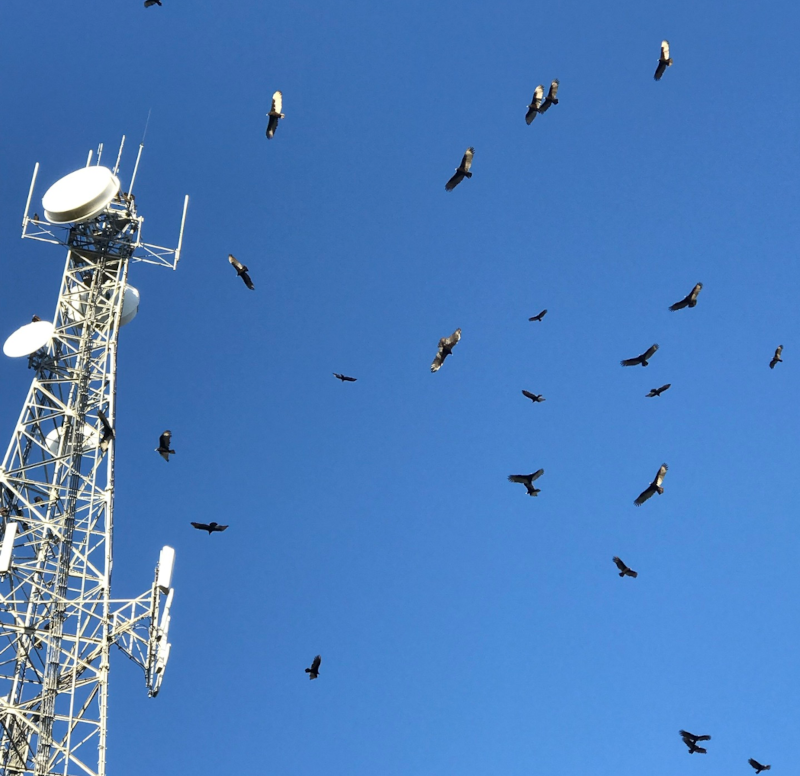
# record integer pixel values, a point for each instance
(313, 672)
(210, 527)
(654, 487)
(758, 766)
(345, 378)
(539, 316)
(664, 60)
(657, 391)
(241, 271)
(527, 480)
(462, 171)
(275, 114)
(163, 446)
(777, 357)
(690, 300)
(624, 571)
(551, 97)
(644, 359)
(446, 345)
(534, 397)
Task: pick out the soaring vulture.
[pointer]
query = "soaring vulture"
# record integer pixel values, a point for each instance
(163, 446)
(241, 271)
(539, 316)
(313, 672)
(345, 378)
(644, 359)
(551, 97)
(536, 102)
(688, 301)
(446, 345)
(275, 115)
(534, 397)
(758, 766)
(527, 480)
(654, 487)
(462, 171)
(657, 391)
(108, 432)
(664, 62)
(624, 571)
(691, 741)
(148, 3)
(210, 527)
(777, 357)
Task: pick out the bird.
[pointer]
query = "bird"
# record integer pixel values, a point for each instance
(777, 357)
(210, 527)
(551, 96)
(148, 3)
(691, 741)
(313, 672)
(664, 62)
(758, 766)
(108, 432)
(241, 271)
(624, 571)
(653, 487)
(534, 397)
(644, 359)
(345, 378)
(163, 446)
(35, 216)
(539, 316)
(527, 480)
(275, 114)
(657, 391)
(446, 345)
(690, 300)
(462, 171)
(536, 102)
(35, 319)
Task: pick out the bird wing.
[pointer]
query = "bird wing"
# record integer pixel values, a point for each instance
(201, 526)
(695, 291)
(466, 162)
(522, 479)
(104, 421)
(551, 95)
(164, 439)
(536, 100)
(277, 102)
(660, 476)
(631, 361)
(680, 305)
(272, 126)
(664, 50)
(315, 664)
(664, 387)
(237, 265)
(531, 396)
(649, 352)
(246, 279)
(644, 495)
(535, 476)
(620, 565)
(530, 115)
(452, 340)
(220, 527)
(661, 67)
(454, 181)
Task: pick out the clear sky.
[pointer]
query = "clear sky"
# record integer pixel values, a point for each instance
(464, 627)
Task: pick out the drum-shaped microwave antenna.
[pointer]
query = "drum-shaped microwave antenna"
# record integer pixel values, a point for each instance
(130, 305)
(79, 196)
(28, 339)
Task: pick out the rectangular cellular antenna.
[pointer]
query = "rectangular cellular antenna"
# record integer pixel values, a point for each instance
(136, 168)
(119, 155)
(89, 158)
(30, 195)
(99, 153)
(180, 236)
(166, 560)
(7, 547)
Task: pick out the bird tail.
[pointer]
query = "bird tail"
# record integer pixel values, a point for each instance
(660, 492)
(468, 174)
(622, 573)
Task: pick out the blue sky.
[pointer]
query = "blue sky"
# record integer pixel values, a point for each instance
(464, 627)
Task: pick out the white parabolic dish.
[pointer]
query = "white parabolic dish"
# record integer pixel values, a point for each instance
(79, 196)
(53, 439)
(28, 339)
(130, 305)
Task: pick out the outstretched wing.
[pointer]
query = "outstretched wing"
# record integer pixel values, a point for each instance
(272, 126)
(680, 305)
(164, 440)
(522, 479)
(201, 526)
(450, 342)
(219, 527)
(531, 396)
(551, 97)
(648, 354)
(454, 181)
(620, 565)
(535, 476)
(644, 495)
(315, 664)
(235, 263)
(664, 50)
(277, 102)
(466, 161)
(660, 475)
(694, 293)
(631, 361)
(664, 387)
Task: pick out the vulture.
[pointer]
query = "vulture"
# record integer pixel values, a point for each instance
(624, 571)
(527, 480)
(275, 115)
(345, 378)
(163, 446)
(536, 102)
(691, 741)
(313, 672)
(644, 359)
(657, 391)
(653, 487)
(35, 216)
(108, 432)
(539, 316)
(148, 3)
(664, 62)
(777, 357)
(462, 171)
(35, 319)
(241, 271)
(688, 301)
(551, 97)
(446, 345)
(534, 397)
(210, 527)
(758, 766)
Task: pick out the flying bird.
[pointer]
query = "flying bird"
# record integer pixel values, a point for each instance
(527, 480)
(148, 3)
(275, 115)
(536, 103)
(241, 271)
(534, 397)
(345, 378)
(446, 345)
(551, 97)
(691, 741)
(108, 432)
(644, 359)
(163, 446)
(313, 672)
(210, 527)
(657, 391)
(664, 62)
(539, 316)
(690, 300)
(462, 171)
(758, 766)
(624, 571)
(654, 487)
(777, 357)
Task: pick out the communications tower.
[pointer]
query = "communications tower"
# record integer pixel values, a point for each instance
(58, 621)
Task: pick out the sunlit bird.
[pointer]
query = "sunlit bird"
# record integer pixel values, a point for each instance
(241, 271)
(536, 102)
(275, 114)
(654, 487)
(551, 97)
(462, 171)
(664, 61)
(690, 300)
(108, 432)
(163, 448)
(446, 345)
(777, 357)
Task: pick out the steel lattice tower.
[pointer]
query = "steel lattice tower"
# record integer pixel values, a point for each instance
(58, 621)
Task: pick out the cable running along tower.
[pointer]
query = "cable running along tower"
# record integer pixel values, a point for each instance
(58, 621)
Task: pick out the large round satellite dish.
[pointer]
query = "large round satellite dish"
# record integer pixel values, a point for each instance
(53, 439)
(79, 196)
(130, 305)
(28, 339)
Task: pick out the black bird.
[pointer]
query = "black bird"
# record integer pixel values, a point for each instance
(644, 359)
(462, 171)
(777, 357)
(210, 527)
(534, 397)
(313, 672)
(35, 319)
(527, 480)
(551, 97)
(691, 741)
(163, 446)
(275, 114)
(758, 766)
(36, 217)
(241, 271)
(108, 432)
(624, 571)
(654, 487)
(148, 3)
(539, 316)
(446, 345)
(345, 378)
(657, 391)
(690, 300)
(536, 103)
(664, 61)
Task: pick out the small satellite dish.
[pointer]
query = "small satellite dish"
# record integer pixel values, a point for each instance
(53, 439)
(28, 339)
(130, 305)
(79, 196)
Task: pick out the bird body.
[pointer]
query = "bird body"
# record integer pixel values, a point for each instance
(690, 300)
(654, 487)
(758, 766)
(210, 527)
(539, 316)
(446, 345)
(108, 432)
(536, 102)
(345, 378)
(241, 271)
(275, 114)
(551, 97)
(691, 741)
(163, 446)
(527, 480)
(664, 60)
(148, 3)
(624, 571)
(644, 359)
(313, 672)
(534, 397)
(462, 171)
(657, 391)
(777, 357)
